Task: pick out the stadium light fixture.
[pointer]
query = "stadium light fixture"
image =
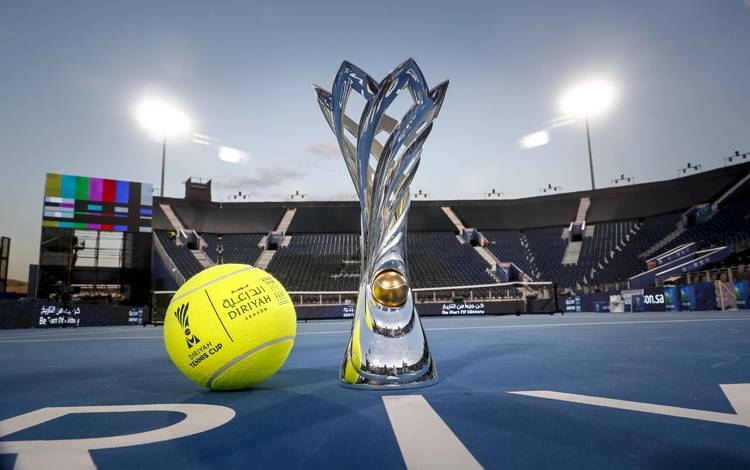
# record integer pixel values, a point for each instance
(297, 195)
(161, 120)
(737, 156)
(238, 195)
(420, 194)
(588, 100)
(550, 189)
(690, 167)
(624, 179)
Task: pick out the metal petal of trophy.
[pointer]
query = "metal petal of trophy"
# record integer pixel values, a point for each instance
(388, 347)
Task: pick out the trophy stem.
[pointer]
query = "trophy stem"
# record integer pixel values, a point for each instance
(388, 347)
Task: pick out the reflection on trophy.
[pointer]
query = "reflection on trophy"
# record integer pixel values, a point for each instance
(388, 347)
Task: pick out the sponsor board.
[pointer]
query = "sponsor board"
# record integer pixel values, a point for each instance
(572, 304)
(463, 309)
(135, 316)
(52, 315)
(317, 312)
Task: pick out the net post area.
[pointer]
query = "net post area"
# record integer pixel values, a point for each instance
(67, 263)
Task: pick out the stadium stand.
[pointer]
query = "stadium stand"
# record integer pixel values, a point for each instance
(182, 257)
(518, 214)
(330, 262)
(343, 217)
(326, 218)
(548, 247)
(649, 199)
(624, 226)
(237, 247)
(438, 259)
(318, 262)
(220, 217)
(507, 245)
(729, 226)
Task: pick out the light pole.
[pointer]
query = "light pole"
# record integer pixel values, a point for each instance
(163, 163)
(591, 159)
(585, 101)
(161, 119)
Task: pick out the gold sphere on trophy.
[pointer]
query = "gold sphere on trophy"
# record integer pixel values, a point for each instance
(389, 288)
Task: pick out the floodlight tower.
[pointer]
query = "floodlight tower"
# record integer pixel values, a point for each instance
(588, 100)
(161, 119)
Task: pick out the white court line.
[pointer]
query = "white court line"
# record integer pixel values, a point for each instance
(61, 332)
(74, 453)
(487, 327)
(544, 325)
(423, 437)
(738, 396)
(334, 332)
(52, 340)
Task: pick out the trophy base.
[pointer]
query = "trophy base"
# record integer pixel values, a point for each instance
(392, 386)
(364, 381)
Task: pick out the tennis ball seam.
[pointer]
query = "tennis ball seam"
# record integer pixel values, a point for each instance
(216, 279)
(244, 356)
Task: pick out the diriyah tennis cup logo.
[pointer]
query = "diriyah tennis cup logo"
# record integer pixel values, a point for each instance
(182, 316)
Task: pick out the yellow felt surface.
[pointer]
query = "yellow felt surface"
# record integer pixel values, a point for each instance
(222, 313)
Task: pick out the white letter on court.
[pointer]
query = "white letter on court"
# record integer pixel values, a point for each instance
(74, 453)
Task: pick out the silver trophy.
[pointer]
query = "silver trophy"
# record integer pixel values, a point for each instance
(388, 347)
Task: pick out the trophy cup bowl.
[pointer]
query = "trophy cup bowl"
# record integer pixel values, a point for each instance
(388, 347)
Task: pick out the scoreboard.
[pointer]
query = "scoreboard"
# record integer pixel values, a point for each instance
(80, 202)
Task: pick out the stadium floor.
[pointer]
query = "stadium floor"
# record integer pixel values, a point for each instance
(302, 418)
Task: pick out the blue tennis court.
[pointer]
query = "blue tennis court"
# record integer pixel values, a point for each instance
(599, 391)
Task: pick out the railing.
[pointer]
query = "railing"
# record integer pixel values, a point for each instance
(511, 291)
(712, 275)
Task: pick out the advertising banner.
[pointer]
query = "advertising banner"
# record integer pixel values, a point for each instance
(324, 312)
(687, 297)
(315, 312)
(56, 315)
(742, 293)
(135, 316)
(672, 298)
(636, 303)
(53, 315)
(572, 304)
(29, 313)
(595, 302)
(654, 299)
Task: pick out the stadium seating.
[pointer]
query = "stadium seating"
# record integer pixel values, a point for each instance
(438, 259)
(625, 226)
(330, 262)
(318, 262)
(182, 257)
(613, 253)
(507, 245)
(729, 226)
(238, 248)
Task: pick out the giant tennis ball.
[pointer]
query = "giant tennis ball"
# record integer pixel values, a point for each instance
(230, 326)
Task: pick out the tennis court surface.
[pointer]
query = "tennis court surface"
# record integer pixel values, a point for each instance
(657, 390)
